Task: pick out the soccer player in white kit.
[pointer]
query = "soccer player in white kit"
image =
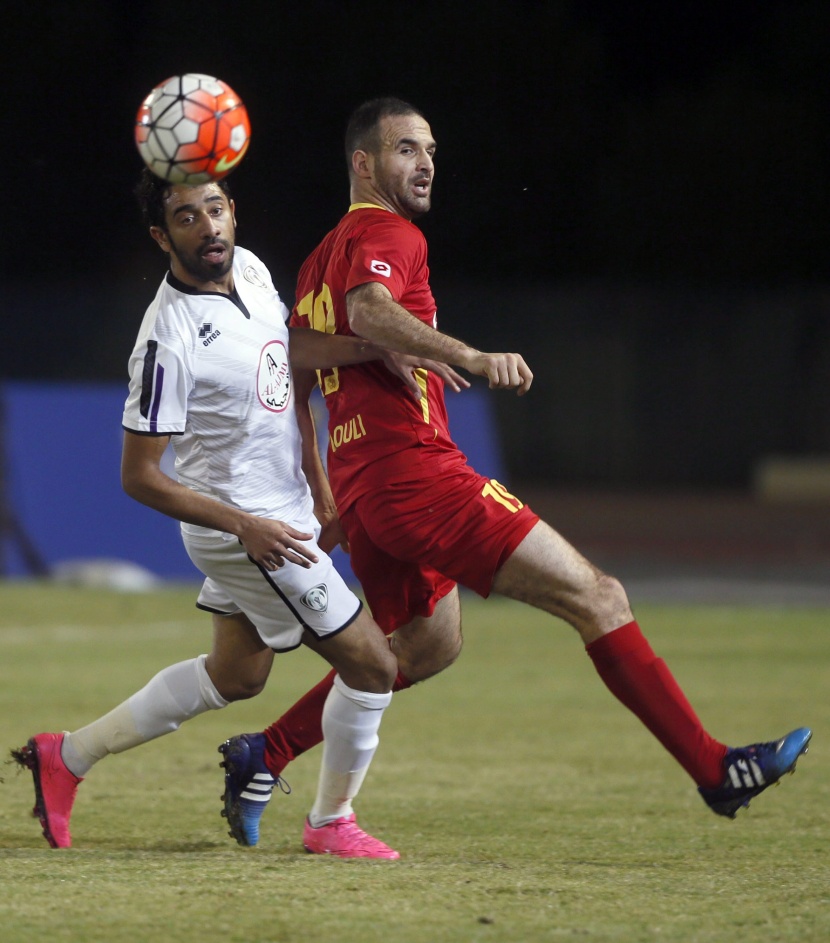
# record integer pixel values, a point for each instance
(211, 372)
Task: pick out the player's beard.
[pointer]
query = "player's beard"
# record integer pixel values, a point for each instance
(415, 206)
(399, 193)
(195, 264)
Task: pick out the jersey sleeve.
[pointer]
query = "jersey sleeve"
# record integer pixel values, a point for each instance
(160, 383)
(389, 252)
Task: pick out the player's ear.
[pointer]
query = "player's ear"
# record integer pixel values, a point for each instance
(232, 206)
(362, 164)
(160, 236)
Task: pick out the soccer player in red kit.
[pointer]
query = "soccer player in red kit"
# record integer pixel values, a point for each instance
(419, 520)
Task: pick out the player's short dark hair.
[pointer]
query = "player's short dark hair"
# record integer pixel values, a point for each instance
(362, 129)
(150, 191)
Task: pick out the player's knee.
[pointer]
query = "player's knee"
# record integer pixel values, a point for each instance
(240, 688)
(419, 663)
(609, 601)
(427, 668)
(451, 652)
(384, 679)
(250, 689)
(376, 675)
(373, 669)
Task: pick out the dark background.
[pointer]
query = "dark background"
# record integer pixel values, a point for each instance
(633, 195)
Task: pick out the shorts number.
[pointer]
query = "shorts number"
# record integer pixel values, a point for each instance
(499, 493)
(319, 310)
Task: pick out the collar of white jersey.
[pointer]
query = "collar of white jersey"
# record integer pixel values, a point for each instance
(232, 295)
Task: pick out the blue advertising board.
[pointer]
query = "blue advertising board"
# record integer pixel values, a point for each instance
(63, 497)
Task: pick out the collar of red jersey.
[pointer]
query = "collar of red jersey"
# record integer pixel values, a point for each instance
(367, 206)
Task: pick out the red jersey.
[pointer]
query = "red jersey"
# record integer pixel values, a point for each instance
(376, 428)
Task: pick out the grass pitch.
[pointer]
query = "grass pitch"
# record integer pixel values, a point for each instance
(526, 803)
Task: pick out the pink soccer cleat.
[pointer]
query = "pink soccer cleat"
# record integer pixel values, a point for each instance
(345, 839)
(55, 786)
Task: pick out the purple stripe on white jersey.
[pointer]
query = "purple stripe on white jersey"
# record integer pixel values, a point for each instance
(147, 377)
(154, 411)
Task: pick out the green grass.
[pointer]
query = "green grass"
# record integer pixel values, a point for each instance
(526, 803)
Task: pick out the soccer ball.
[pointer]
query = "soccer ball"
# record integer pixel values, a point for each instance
(192, 129)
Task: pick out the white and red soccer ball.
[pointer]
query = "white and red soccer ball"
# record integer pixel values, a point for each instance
(192, 129)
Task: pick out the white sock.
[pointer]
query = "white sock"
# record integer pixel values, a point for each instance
(173, 696)
(350, 737)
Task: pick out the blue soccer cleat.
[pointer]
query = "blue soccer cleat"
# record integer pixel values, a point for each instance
(749, 770)
(248, 785)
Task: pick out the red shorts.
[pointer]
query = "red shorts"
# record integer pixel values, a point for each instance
(412, 541)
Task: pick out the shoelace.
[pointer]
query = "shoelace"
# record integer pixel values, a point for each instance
(356, 835)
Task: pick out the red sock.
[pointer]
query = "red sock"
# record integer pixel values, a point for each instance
(642, 681)
(300, 727)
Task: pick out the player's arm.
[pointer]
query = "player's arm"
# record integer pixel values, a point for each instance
(325, 510)
(314, 350)
(270, 543)
(375, 315)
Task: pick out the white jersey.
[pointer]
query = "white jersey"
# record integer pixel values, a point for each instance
(211, 370)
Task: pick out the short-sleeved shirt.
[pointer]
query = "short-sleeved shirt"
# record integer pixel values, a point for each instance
(372, 416)
(418, 518)
(212, 371)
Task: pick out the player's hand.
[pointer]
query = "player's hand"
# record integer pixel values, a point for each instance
(453, 380)
(331, 530)
(332, 535)
(503, 371)
(271, 544)
(405, 365)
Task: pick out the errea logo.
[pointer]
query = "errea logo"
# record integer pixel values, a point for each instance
(207, 333)
(380, 268)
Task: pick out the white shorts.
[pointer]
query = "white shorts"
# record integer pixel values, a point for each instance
(281, 603)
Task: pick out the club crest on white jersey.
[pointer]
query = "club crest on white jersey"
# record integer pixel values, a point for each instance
(274, 377)
(250, 274)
